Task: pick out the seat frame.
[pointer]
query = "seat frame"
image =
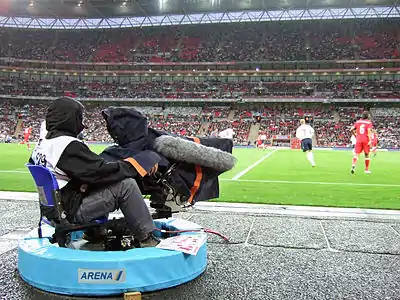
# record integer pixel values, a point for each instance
(50, 196)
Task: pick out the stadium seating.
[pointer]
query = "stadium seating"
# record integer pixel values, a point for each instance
(240, 127)
(331, 123)
(181, 90)
(266, 41)
(325, 40)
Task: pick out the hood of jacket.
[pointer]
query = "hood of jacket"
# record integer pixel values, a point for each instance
(64, 117)
(127, 127)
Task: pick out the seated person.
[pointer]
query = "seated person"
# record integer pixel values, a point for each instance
(90, 187)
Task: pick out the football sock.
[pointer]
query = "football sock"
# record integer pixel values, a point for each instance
(355, 158)
(310, 157)
(367, 160)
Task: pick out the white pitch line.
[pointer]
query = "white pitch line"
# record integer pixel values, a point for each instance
(13, 171)
(326, 238)
(394, 230)
(237, 176)
(313, 182)
(250, 230)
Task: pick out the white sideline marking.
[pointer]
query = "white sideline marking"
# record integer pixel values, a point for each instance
(14, 171)
(237, 176)
(19, 196)
(302, 211)
(313, 182)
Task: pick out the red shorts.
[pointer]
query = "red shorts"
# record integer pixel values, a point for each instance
(259, 143)
(362, 146)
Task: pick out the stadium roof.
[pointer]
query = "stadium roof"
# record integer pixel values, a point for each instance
(135, 8)
(92, 14)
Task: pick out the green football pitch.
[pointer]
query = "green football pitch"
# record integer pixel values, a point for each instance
(271, 177)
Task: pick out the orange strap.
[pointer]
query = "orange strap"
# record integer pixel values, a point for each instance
(137, 166)
(199, 176)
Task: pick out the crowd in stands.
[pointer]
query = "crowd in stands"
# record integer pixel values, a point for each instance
(269, 41)
(240, 127)
(331, 123)
(209, 89)
(336, 132)
(285, 120)
(181, 126)
(216, 111)
(184, 121)
(7, 120)
(387, 122)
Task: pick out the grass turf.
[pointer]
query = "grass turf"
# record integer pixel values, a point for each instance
(285, 177)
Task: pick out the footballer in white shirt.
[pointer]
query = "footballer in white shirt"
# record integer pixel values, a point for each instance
(227, 134)
(305, 133)
(43, 131)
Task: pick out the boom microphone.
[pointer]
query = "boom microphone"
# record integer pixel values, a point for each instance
(183, 150)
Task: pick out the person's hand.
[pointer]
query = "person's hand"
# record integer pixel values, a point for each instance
(153, 170)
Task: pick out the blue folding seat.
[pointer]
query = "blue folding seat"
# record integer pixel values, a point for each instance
(51, 210)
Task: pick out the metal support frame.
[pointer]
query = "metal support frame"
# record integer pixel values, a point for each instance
(203, 18)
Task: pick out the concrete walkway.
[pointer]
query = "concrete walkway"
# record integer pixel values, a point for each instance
(275, 252)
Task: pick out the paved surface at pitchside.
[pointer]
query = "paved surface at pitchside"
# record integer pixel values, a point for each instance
(270, 256)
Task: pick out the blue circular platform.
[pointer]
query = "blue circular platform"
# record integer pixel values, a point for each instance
(99, 273)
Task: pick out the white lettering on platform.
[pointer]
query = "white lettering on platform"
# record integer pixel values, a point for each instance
(101, 276)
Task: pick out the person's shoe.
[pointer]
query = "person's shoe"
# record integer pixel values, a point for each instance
(95, 235)
(150, 241)
(367, 172)
(352, 171)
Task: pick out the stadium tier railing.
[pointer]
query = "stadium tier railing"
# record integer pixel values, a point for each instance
(222, 100)
(9, 60)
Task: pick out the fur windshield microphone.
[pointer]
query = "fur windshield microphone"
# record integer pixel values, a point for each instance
(186, 151)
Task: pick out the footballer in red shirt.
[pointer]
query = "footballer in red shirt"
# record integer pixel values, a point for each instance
(259, 142)
(362, 129)
(27, 134)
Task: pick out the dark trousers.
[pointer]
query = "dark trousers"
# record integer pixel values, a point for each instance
(124, 195)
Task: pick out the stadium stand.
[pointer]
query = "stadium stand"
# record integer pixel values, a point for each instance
(240, 127)
(332, 123)
(327, 40)
(244, 43)
(180, 90)
(387, 122)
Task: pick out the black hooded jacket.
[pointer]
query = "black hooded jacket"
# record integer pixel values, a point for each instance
(129, 129)
(65, 118)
